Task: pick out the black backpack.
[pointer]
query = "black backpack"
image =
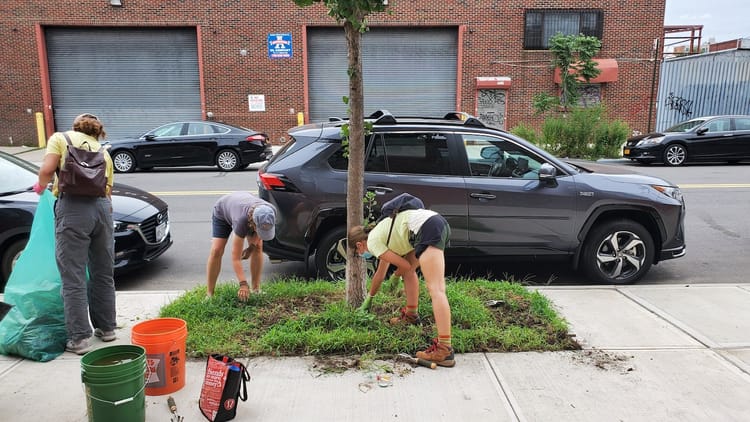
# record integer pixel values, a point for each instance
(402, 202)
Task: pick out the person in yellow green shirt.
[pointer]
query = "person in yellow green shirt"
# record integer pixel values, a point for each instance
(84, 239)
(414, 239)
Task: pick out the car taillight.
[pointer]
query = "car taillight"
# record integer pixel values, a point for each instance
(272, 181)
(257, 139)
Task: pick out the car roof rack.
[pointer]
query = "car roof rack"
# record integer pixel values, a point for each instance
(383, 117)
(467, 118)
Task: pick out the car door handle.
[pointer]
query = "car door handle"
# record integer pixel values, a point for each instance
(379, 190)
(729, 134)
(482, 195)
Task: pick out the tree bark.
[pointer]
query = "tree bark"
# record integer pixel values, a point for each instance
(355, 266)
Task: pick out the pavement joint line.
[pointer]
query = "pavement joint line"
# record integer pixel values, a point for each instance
(736, 362)
(10, 368)
(733, 346)
(666, 316)
(616, 348)
(596, 287)
(511, 404)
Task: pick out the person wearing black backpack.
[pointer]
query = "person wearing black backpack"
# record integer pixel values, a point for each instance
(411, 239)
(84, 233)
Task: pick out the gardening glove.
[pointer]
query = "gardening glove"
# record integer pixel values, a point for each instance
(365, 307)
(392, 284)
(38, 188)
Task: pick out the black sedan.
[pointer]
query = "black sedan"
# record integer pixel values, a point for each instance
(195, 143)
(141, 219)
(714, 138)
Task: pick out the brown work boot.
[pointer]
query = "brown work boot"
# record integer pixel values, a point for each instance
(405, 318)
(438, 353)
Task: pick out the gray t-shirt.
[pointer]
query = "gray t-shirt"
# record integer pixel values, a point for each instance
(233, 208)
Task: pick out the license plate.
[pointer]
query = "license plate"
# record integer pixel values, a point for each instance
(626, 152)
(161, 231)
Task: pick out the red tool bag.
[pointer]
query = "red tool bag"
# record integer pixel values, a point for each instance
(224, 383)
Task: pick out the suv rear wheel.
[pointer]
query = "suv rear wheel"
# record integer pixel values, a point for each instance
(330, 256)
(617, 252)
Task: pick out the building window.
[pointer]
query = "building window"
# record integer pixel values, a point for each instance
(541, 25)
(590, 95)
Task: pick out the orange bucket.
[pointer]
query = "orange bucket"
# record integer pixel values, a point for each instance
(164, 341)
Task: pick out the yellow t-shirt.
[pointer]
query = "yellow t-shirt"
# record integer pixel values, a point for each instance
(58, 145)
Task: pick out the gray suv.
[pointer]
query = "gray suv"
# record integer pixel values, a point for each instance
(501, 195)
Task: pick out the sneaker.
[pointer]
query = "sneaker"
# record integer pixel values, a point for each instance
(406, 318)
(105, 335)
(80, 347)
(439, 353)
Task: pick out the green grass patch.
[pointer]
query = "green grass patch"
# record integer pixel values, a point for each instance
(296, 317)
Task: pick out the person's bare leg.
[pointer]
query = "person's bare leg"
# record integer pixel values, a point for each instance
(411, 282)
(213, 265)
(432, 262)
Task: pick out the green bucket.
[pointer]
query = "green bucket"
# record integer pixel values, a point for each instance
(115, 380)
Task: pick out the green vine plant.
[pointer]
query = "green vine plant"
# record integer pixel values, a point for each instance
(368, 126)
(369, 202)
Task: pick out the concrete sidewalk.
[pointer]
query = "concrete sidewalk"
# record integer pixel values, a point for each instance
(651, 353)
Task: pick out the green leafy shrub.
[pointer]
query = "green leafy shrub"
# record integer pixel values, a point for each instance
(583, 133)
(526, 132)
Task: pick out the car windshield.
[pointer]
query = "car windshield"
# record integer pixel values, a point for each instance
(15, 175)
(685, 126)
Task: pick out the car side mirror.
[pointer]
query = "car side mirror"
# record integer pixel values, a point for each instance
(490, 153)
(701, 131)
(547, 175)
(150, 137)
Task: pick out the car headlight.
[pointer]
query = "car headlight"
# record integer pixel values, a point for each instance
(670, 191)
(123, 227)
(650, 141)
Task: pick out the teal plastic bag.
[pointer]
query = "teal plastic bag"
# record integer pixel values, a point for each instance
(35, 327)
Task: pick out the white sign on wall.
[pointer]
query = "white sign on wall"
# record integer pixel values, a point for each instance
(256, 102)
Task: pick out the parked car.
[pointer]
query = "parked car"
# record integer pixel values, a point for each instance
(713, 138)
(501, 195)
(191, 144)
(142, 231)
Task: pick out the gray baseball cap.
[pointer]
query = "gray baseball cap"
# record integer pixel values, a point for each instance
(264, 217)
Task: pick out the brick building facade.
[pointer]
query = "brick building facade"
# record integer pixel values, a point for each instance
(233, 56)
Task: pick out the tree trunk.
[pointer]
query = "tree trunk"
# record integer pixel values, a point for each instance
(355, 266)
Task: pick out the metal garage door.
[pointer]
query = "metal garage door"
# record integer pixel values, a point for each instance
(134, 79)
(406, 71)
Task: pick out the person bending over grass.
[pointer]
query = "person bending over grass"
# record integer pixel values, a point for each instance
(245, 217)
(412, 239)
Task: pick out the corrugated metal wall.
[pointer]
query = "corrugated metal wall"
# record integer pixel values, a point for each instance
(407, 71)
(703, 85)
(134, 79)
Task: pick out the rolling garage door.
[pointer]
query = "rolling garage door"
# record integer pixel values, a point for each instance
(406, 71)
(134, 79)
